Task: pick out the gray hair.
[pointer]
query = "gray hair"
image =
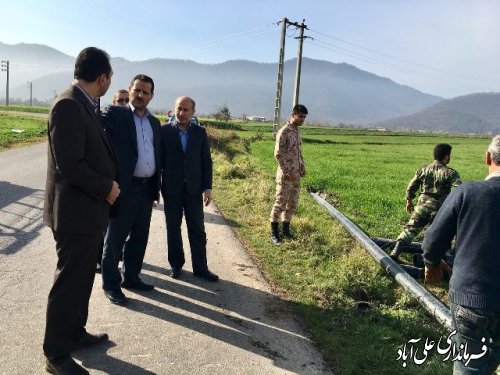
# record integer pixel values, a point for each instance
(494, 150)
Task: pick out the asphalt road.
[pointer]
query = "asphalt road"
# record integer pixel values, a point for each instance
(186, 326)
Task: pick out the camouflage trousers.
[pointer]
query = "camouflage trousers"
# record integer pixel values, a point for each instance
(423, 214)
(287, 197)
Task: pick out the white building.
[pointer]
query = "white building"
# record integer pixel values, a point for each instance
(256, 118)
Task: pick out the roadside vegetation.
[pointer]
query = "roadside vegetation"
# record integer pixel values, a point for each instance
(18, 129)
(324, 273)
(24, 108)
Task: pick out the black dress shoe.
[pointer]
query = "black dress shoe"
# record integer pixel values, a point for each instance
(66, 366)
(116, 296)
(175, 273)
(87, 339)
(136, 284)
(207, 275)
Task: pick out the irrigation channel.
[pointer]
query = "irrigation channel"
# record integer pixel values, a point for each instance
(433, 305)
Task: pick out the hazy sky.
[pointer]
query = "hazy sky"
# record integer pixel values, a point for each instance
(441, 47)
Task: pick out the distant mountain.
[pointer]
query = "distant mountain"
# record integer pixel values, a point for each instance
(31, 61)
(332, 92)
(474, 113)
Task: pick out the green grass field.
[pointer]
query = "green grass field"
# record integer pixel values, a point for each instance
(16, 129)
(366, 174)
(324, 272)
(24, 108)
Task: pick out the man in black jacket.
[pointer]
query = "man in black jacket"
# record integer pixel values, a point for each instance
(81, 186)
(186, 185)
(472, 214)
(135, 135)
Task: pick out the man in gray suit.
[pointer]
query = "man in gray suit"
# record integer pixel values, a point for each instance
(186, 185)
(135, 134)
(80, 188)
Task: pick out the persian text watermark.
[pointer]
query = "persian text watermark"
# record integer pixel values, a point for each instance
(451, 350)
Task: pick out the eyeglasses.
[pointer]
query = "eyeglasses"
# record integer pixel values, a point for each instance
(122, 101)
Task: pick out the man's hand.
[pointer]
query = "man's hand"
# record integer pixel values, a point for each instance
(207, 197)
(435, 274)
(114, 193)
(409, 206)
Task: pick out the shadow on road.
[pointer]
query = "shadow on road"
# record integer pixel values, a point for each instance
(97, 358)
(21, 212)
(238, 315)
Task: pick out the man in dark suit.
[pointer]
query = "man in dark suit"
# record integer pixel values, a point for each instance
(135, 135)
(81, 186)
(186, 184)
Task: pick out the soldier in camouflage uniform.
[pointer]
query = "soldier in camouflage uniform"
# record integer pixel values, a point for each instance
(291, 168)
(435, 182)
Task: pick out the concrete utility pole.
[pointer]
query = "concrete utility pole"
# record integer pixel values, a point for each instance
(299, 64)
(279, 82)
(279, 85)
(5, 68)
(30, 85)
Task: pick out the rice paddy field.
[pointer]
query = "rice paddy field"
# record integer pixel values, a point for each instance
(366, 173)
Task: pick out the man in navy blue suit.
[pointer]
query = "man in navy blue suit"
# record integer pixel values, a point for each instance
(186, 185)
(135, 135)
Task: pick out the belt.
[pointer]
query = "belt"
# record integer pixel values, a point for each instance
(141, 180)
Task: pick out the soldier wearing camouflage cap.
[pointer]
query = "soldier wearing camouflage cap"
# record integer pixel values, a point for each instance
(435, 182)
(291, 168)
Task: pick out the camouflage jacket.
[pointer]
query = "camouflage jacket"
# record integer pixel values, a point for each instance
(288, 152)
(434, 180)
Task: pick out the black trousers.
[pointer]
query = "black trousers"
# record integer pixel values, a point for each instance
(68, 302)
(133, 221)
(191, 206)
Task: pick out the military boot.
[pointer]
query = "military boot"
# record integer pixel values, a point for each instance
(275, 233)
(286, 231)
(396, 252)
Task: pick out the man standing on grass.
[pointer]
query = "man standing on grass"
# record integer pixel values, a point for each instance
(434, 181)
(291, 168)
(471, 213)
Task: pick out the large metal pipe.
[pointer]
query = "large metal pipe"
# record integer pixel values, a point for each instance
(435, 307)
(384, 243)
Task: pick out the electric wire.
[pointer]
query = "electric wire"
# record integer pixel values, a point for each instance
(391, 61)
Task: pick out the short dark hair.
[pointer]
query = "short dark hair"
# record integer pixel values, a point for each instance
(144, 78)
(91, 63)
(441, 151)
(299, 108)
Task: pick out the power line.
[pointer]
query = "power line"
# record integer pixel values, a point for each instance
(242, 36)
(368, 59)
(434, 72)
(387, 55)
